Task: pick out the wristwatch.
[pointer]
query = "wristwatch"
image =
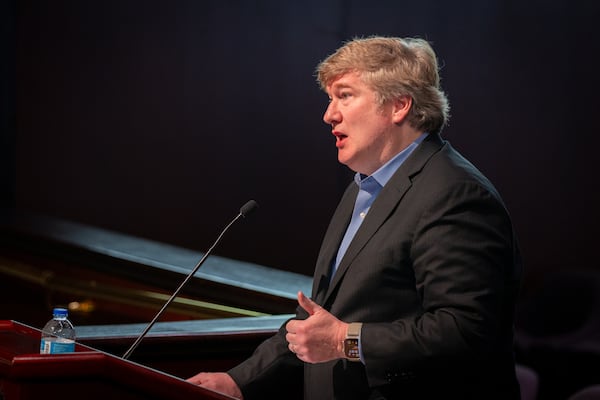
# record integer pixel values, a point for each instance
(352, 340)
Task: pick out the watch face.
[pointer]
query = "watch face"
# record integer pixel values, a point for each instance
(351, 348)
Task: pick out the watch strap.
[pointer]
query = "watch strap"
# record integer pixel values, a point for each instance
(354, 330)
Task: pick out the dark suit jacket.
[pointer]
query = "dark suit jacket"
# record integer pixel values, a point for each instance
(433, 274)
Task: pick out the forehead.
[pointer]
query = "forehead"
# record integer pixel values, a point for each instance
(347, 80)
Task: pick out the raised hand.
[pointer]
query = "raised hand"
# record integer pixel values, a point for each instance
(319, 337)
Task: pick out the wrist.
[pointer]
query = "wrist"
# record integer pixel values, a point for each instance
(340, 337)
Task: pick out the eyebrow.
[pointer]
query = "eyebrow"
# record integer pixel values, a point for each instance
(336, 87)
(341, 86)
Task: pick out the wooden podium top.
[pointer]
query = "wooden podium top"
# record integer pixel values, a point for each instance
(87, 373)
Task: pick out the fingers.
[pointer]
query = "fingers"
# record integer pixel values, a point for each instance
(307, 304)
(299, 331)
(297, 350)
(197, 379)
(219, 381)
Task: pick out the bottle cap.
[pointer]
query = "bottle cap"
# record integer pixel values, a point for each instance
(60, 312)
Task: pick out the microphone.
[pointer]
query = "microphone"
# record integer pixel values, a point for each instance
(246, 210)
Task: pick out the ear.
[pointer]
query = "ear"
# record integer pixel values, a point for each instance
(401, 108)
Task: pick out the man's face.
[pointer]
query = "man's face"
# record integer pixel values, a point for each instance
(363, 129)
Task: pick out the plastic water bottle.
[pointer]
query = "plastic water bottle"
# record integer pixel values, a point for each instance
(58, 335)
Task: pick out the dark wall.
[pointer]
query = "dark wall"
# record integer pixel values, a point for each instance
(7, 104)
(160, 119)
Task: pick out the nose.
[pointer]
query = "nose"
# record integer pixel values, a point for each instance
(332, 115)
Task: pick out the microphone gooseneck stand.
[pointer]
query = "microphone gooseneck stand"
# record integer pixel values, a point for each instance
(246, 209)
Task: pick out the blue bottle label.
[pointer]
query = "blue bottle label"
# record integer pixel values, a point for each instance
(57, 346)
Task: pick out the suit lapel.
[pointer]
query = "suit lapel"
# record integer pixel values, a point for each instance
(331, 242)
(385, 203)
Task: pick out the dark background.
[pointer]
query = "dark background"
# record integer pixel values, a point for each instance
(160, 119)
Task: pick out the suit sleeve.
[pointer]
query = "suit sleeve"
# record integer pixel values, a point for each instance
(271, 369)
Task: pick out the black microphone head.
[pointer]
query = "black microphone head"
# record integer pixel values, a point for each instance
(248, 208)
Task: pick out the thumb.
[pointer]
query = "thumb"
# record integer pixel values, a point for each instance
(307, 304)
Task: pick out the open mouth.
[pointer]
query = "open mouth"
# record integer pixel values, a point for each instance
(340, 138)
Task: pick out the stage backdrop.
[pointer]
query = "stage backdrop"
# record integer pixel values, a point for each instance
(160, 119)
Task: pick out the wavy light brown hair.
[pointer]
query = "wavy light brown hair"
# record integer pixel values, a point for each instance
(394, 67)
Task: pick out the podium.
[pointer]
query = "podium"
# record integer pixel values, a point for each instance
(87, 373)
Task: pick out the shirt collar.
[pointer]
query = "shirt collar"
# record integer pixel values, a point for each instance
(385, 172)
